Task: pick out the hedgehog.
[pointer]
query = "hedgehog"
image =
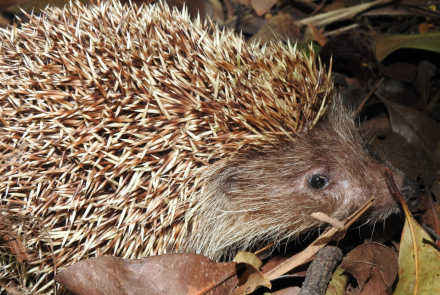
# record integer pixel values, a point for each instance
(138, 131)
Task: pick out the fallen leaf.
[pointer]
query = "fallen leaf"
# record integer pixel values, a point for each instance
(262, 6)
(402, 71)
(395, 146)
(163, 274)
(386, 44)
(419, 261)
(338, 282)
(419, 257)
(351, 53)
(317, 35)
(418, 128)
(248, 258)
(373, 265)
(399, 91)
(252, 278)
(323, 19)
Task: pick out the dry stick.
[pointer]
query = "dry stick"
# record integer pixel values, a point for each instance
(263, 249)
(368, 96)
(317, 245)
(340, 30)
(320, 271)
(317, 9)
(433, 101)
(431, 231)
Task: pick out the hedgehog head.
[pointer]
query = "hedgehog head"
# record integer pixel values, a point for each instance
(266, 196)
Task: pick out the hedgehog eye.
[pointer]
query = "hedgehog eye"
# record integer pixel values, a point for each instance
(318, 181)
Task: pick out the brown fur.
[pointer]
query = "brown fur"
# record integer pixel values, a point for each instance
(263, 197)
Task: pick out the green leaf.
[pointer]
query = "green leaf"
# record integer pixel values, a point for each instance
(419, 262)
(387, 44)
(338, 283)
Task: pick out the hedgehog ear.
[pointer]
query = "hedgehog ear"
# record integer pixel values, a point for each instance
(332, 109)
(230, 185)
(231, 181)
(235, 180)
(338, 108)
(336, 103)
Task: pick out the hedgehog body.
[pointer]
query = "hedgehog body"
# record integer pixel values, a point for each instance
(136, 132)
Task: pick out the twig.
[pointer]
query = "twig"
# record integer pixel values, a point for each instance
(368, 96)
(432, 232)
(320, 271)
(318, 8)
(434, 213)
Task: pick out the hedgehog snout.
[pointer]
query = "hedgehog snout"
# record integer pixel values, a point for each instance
(408, 187)
(410, 191)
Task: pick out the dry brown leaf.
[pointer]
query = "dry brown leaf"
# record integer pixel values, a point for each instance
(252, 278)
(323, 19)
(163, 274)
(328, 235)
(418, 128)
(324, 217)
(373, 265)
(262, 6)
(317, 35)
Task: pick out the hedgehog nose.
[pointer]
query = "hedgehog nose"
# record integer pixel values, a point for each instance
(410, 191)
